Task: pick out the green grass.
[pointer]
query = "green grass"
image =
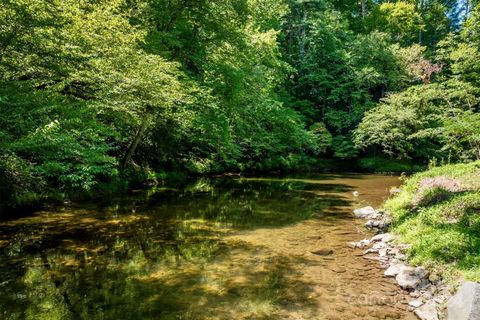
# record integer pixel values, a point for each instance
(443, 226)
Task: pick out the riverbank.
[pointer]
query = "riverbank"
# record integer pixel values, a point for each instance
(437, 212)
(434, 237)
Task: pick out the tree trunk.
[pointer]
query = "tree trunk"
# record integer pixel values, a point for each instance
(364, 8)
(136, 140)
(302, 33)
(421, 14)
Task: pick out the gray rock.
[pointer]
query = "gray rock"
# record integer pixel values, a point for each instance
(370, 223)
(378, 237)
(411, 278)
(395, 191)
(382, 252)
(394, 251)
(428, 311)
(379, 224)
(415, 303)
(388, 238)
(362, 243)
(465, 305)
(393, 270)
(377, 216)
(364, 212)
(383, 237)
(379, 245)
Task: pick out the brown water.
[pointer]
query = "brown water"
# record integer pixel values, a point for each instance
(213, 249)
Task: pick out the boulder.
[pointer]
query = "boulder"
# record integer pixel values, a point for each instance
(428, 311)
(364, 212)
(465, 305)
(411, 278)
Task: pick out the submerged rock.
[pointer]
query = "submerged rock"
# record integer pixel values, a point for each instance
(352, 244)
(465, 305)
(322, 252)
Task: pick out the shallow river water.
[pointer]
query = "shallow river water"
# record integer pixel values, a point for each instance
(226, 248)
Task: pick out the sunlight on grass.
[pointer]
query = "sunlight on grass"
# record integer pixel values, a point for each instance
(444, 229)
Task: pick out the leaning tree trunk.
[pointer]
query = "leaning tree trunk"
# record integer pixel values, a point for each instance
(136, 140)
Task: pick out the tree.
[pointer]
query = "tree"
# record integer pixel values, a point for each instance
(400, 19)
(416, 123)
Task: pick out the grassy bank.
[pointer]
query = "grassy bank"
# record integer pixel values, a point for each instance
(438, 212)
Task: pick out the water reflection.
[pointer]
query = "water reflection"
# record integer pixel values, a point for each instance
(200, 251)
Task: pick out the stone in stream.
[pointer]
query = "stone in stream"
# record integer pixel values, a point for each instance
(352, 244)
(364, 212)
(338, 270)
(415, 303)
(393, 270)
(374, 224)
(322, 252)
(360, 244)
(428, 311)
(465, 305)
(363, 243)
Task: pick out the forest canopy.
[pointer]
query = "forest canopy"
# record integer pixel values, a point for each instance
(93, 92)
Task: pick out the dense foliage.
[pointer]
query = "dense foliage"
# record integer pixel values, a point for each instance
(121, 90)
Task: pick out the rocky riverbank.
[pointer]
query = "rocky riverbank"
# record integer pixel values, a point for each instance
(430, 295)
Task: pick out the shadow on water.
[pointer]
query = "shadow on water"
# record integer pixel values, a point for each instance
(164, 254)
(141, 277)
